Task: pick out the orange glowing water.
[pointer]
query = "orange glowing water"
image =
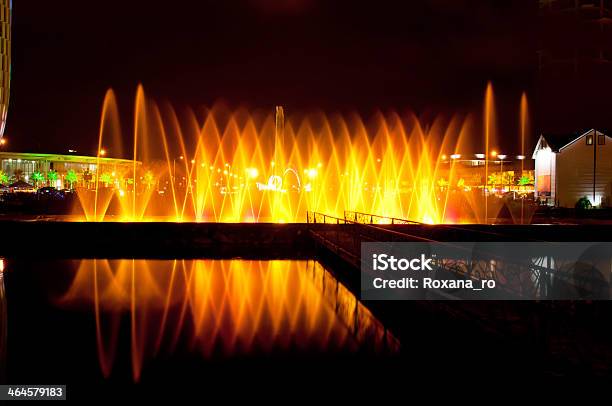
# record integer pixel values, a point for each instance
(222, 308)
(241, 166)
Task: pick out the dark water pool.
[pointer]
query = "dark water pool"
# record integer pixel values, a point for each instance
(148, 322)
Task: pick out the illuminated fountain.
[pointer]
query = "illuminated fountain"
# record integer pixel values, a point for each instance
(240, 166)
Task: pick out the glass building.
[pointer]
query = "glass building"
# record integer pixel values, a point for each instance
(22, 166)
(5, 60)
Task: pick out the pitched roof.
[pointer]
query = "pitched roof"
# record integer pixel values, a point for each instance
(558, 141)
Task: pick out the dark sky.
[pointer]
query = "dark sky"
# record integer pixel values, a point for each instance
(428, 56)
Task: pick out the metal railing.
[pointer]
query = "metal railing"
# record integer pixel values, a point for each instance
(366, 218)
(528, 281)
(313, 217)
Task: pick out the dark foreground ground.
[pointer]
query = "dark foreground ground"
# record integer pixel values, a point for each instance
(469, 341)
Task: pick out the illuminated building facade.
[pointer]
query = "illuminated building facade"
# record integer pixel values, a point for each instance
(17, 166)
(5, 60)
(569, 167)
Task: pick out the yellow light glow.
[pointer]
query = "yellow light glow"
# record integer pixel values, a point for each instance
(253, 173)
(387, 168)
(265, 305)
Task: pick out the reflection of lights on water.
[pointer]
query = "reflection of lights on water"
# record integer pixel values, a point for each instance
(221, 309)
(1, 265)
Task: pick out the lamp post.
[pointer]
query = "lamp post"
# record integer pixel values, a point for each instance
(501, 170)
(454, 158)
(174, 168)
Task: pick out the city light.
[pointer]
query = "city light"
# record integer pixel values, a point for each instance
(253, 173)
(480, 156)
(3, 141)
(520, 157)
(502, 156)
(311, 173)
(493, 153)
(455, 156)
(102, 152)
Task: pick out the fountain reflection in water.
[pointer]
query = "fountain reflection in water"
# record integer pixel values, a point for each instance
(240, 166)
(222, 308)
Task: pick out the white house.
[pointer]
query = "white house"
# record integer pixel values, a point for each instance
(568, 167)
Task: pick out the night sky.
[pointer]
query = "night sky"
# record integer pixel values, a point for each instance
(432, 57)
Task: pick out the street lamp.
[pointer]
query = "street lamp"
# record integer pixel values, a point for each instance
(3, 142)
(453, 158)
(174, 167)
(501, 170)
(102, 152)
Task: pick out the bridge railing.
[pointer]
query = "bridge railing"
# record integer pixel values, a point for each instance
(366, 218)
(374, 219)
(313, 217)
(527, 281)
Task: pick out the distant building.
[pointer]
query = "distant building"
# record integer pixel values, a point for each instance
(568, 167)
(504, 174)
(5, 60)
(66, 170)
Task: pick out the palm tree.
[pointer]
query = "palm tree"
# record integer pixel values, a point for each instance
(37, 177)
(4, 178)
(52, 177)
(71, 177)
(18, 174)
(106, 178)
